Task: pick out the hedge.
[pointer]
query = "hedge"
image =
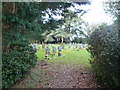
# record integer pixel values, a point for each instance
(17, 61)
(104, 48)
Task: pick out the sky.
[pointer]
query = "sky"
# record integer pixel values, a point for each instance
(96, 14)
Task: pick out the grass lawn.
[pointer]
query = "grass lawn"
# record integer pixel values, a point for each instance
(71, 56)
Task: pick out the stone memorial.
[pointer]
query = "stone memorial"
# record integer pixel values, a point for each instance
(76, 45)
(47, 51)
(80, 46)
(62, 46)
(43, 46)
(47, 46)
(52, 45)
(69, 46)
(54, 50)
(59, 48)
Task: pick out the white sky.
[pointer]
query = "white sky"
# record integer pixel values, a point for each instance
(96, 14)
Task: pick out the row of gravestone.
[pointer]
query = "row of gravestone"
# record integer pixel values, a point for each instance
(54, 50)
(70, 45)
(77, 45)
(47, 48)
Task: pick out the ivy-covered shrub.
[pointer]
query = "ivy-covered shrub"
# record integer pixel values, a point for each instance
(17, 60)
(104, 48)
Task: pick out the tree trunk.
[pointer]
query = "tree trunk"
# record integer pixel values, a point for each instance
(13, 11)
(61, 39)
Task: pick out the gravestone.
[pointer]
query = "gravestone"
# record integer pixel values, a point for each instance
(80, 46)
(76, 45)
(34, 46)
(47, 46)
(43, 46)
(54, 49)
(52, 45)
(62, 46)
(47, 51)
(69, 46)
(59, 48)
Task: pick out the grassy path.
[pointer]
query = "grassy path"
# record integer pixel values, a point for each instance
(71, 71)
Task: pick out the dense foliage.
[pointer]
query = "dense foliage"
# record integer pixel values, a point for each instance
(17, 61)
(104, 48)
(22, 24)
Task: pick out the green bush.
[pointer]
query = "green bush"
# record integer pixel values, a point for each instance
(17, 60)
(104, 48)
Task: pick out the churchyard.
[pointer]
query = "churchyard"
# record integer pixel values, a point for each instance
(55, 71)
(60, 44)
(68, 53)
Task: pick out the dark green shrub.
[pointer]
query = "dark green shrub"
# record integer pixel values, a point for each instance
(17, 60)
(104, 48)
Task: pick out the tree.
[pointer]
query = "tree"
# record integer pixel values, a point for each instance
(56, 35)
(113, 9)
(104, 48)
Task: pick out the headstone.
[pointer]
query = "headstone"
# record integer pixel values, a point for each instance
(34, 46)
(80, 46)
(47, 51)
(52, 45)
(76, 45)
(43, 46)
(54, 49)
(62, 46)
(59, 48)
(69, 46)
(47, 46)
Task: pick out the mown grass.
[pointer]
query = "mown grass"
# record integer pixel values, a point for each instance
(70, 56)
